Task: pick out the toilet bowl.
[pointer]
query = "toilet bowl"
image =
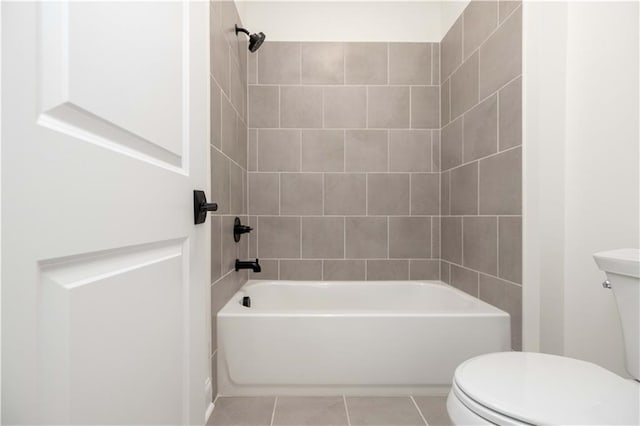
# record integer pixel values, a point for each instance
(520, 388)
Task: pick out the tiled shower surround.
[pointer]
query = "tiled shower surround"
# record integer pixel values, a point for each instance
(481, 156)
(374, 161)
(228, 157)
(344, 160)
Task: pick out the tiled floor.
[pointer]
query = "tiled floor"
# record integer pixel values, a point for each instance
(330, 411)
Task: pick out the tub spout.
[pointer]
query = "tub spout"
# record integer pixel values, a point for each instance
(248, 264)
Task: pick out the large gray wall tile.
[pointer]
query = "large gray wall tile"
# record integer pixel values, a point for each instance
(301, 194)
(264, 106)
(464, 86)
(410, 63)
(388, 194)
(366, 237)
(425, 194)
(510, 248)
(480, 19)
(510, 114)
(345, 194)
(388, 107)
(301, 106)
(451, 50)
(383, 270)
(480, 244)
(409, 237)
(409, 150)
(366, 63)
(279, 63)
(343, 270)
(323, 237)
(464, 279)
(278, 150)
(366, 150)
(425, 107)
(322, 63)
(345, 107)
(464, 190)
(451, 145)
(322, 150)
(451, 243)
(508, 297)
(278, 237)
(501, 183)
(303, 270)
(481, 130)
(501, 55)
(264, 194)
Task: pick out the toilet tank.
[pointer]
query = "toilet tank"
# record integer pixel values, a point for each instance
(622, 268)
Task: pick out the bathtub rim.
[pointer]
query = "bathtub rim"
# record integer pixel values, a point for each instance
(234, 309)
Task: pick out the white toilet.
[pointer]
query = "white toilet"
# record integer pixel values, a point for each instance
(519, 388)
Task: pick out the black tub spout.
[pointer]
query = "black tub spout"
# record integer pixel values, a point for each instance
(248, 264)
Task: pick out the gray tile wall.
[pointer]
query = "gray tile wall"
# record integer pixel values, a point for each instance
(228, 81)
(481, 156)
(344, 151)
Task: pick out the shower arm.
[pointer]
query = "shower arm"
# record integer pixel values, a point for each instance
(242, 30)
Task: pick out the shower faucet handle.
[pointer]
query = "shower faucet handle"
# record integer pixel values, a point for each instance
(239, 229)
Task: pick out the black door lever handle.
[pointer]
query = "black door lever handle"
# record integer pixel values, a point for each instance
(201, 207)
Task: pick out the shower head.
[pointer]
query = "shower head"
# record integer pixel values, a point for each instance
(255, 40)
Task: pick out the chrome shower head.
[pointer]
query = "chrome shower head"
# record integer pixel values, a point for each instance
(255, 40)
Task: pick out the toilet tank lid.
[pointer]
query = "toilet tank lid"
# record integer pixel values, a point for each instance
(622, 261)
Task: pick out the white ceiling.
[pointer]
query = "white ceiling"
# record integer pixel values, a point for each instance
(352, 20)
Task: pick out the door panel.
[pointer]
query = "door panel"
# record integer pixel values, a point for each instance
(104, 275)
(104, 80)
(98, 332)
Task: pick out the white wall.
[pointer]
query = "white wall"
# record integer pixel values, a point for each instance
(391, 20)
(582, 131)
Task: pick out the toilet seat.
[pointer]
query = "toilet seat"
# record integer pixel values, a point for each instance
(515, 388)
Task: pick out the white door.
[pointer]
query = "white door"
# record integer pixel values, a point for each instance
(104, 276)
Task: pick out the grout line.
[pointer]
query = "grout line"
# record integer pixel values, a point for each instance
(498, 120)
(410, 104)
(498, 245)
(273, 413)
(362, 259)
(431, 63)
(344, 150)
(344, 398)
(366, 194)
(462, 241)
(353, 85)
(483, 158)
(388, 59)
(480, 100)
(419, 411)
(344, 237)
(388, 152)
(351, 129)
(291, 172)
(387, 237)
(279, 107)
(366, 106)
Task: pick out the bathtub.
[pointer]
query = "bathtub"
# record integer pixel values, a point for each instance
(352, 338)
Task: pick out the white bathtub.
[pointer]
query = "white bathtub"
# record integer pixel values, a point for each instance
(347, 338)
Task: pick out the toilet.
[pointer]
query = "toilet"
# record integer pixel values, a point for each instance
(520, 388)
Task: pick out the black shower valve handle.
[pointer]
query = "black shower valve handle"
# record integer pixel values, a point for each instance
(239, 229)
